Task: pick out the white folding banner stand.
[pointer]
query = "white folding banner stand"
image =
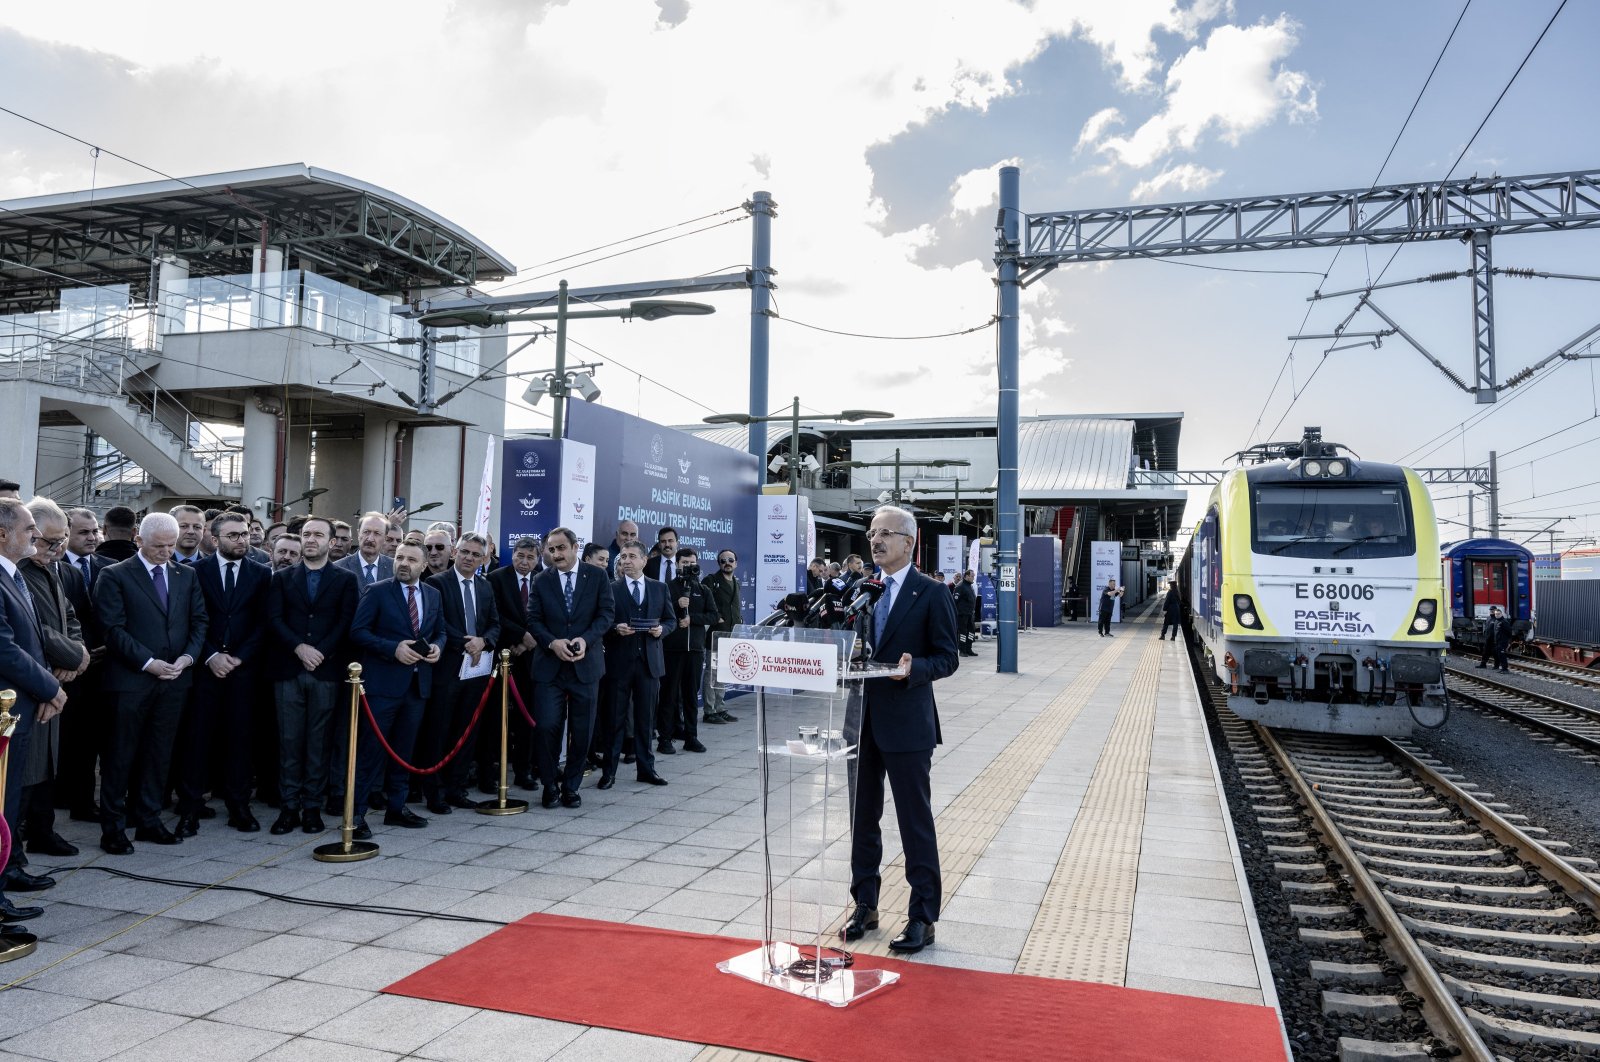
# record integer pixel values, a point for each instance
(805, 737)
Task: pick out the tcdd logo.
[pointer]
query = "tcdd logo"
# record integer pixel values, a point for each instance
(744, 661)
(530, 460)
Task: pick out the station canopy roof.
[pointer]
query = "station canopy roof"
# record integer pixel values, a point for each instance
(337, 226)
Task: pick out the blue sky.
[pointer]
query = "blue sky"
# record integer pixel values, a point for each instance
(877, 128)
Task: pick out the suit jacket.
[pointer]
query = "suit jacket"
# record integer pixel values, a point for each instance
(623, 651)
(136, 627)
(294, 618)
(592, 609)
(702, 613)
(358, 568)
(80, 594)
(455, 625)
(652, 568)
(725, 596)
(382, 622)
(922, 623)
(238, 621)
(22, 669)
(508, 605)
(58, 622)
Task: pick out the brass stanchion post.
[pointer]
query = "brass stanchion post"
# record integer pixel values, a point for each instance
(502, 806)
(348, 849)
(14, 943)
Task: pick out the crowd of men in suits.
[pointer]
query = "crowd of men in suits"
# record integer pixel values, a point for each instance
(194, 654)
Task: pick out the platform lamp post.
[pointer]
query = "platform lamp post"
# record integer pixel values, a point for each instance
(955, 488)
(793, 417)
(557, 385)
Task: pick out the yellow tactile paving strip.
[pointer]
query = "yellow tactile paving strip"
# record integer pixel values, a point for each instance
(971, 821)
(1086, 917)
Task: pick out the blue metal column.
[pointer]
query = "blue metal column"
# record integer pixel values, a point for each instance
(761, 213)
(1006, 512)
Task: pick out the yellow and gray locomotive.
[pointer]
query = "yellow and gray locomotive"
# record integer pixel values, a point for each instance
(1313, 586)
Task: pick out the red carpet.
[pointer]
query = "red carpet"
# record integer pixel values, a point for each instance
(662, 983)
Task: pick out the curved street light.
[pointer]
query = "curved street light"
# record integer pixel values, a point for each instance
(794, 429)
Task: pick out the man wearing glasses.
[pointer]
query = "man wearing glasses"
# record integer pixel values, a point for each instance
(913, 625)
(724, 588)
(436, 546)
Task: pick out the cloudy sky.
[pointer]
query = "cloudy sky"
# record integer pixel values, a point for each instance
(547, 129)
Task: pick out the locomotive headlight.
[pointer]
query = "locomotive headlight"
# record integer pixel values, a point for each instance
(1422, 622)
(1336, 468)
(1426, 608)
(1244, 610)
(1312, 468)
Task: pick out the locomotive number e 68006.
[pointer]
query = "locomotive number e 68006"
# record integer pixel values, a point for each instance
(1335, 591)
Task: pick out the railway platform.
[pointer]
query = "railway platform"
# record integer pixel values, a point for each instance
(1082, 833)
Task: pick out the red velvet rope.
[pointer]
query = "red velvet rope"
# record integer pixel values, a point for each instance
(5, 827)
(436, 768)
(516, 696)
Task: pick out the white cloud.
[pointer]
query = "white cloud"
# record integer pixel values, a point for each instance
(1186, 177)
(1233, 83)
(1124, 31)
(978, 189)
(1096, 126)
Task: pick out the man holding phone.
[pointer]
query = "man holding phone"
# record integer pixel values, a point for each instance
(642, 613)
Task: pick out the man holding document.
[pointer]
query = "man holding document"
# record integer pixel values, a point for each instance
(471, 629)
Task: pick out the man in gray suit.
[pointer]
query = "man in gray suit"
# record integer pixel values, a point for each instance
(368, 564)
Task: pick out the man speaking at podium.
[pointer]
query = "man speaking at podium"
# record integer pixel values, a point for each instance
(914, 625)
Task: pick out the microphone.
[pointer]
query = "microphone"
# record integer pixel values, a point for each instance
(794, 605)
(867, 593)
(819, 604)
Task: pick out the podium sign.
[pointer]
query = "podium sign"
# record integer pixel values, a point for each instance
(806, 727)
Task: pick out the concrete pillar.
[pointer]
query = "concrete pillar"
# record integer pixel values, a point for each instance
(436, 473)
(19, 434)
(377, 464)
(259, 474)
(339, 471)
(297, 466)
(174, 273)
(268, 304)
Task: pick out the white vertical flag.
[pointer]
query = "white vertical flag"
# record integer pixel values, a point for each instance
(485, 489)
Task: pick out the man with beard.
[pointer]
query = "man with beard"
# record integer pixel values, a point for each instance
(685, 646)
(436, 545)
(723, 586)
(285, 552)
(399, 631)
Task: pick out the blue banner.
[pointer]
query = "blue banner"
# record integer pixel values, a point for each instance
(659, 477)
(530, 489)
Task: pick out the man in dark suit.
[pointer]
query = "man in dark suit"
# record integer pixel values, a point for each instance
(368, 564)
(723, 585)
(664, 564)
(685, 646)
(81, 730)
(154, 618)
(569, 613)
(235, 592)
(513, 588)
(642, 614)
(40, 696)
(965, 598)
(310, 607)
(471, 630)
(399, 631)
(914, 626)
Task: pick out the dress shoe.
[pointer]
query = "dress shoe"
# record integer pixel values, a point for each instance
(188, 826)
(205, 811)
(664, 748)
(914, 937)
(311, 822)
(244, 821)
(116, 843)
(525, 781)
(571, 800)
(629, 757)
(693, 745)
(439, 807)
(550, 799)
(157, 834)
(91, 813)
(360, 831)
(288, 819)
(10, 912)
(652, 778)
(861, 919)
(19, 880)
(713, 718)
(606, 781)
(461, 800)
(490, 785)
(404, 817)
(727, 717)
(54, 845)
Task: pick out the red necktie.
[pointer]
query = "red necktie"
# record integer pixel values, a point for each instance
(411, 606)
(524, 595)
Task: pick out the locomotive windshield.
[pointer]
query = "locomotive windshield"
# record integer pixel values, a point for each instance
(1325, 521)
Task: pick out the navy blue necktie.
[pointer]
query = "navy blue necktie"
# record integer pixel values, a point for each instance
(880, 612)
(22, 588)
(567, 590)
(159, 575)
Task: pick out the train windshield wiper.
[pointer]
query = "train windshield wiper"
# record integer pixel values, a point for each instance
(1358, 541)
(1296, 541)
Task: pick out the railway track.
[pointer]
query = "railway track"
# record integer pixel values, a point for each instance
(1574, 724)
(1587, 677)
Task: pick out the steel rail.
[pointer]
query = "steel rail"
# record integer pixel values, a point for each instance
(1556, 730)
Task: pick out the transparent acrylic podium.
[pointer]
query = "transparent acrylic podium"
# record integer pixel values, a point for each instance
(805, 737)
